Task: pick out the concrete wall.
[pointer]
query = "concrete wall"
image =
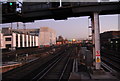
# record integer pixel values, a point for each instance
(18, 40)
(47, 36)
(1, 41)
(36, 40)
(14, 39)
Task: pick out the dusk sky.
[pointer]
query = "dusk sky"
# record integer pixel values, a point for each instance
(73, 27)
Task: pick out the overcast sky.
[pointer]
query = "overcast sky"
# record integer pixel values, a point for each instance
(73, 27)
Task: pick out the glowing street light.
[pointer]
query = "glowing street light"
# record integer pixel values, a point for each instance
(73, 40)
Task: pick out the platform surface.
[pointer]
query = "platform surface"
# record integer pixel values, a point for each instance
(83, 76)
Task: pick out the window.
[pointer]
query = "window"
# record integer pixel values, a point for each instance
(7, 39)
(8, 45)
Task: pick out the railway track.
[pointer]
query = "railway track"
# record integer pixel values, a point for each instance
(58, 69)
(111, 66)
(115, 56)
(20, 72)
(31, 70)
(111, 59)
(11, 56)
(115, 59)
(111, 63)
(111, 70)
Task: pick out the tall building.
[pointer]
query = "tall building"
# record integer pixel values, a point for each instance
(47, 36)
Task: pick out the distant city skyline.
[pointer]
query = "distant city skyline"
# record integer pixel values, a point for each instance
(76, 27)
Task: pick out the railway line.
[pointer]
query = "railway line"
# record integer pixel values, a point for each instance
(58, 68)
(36, 68)
(108, 68)
(113, 56)
(10, 56)
(111, 63)
(111, 52)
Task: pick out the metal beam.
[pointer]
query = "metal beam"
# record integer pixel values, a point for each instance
(93, 39)
(31, 13)
(108, 8)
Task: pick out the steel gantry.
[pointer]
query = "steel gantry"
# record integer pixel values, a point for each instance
(31, 11)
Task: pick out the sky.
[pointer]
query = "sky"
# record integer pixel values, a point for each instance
(76, 27)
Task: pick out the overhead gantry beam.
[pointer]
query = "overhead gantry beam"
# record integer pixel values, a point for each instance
(29, 14)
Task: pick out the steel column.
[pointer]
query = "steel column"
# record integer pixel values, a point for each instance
(97, 40)
(93, 39)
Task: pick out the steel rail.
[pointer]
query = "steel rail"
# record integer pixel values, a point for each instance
(47, 69)
(50, 66)
(61, 76)
(113, 64)
(112, 71)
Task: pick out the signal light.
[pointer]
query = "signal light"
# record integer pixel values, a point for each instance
(9, 7)
(11, 4)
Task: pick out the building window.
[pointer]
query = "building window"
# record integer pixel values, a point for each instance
(8, 45)
(7, 39)
(20, 40)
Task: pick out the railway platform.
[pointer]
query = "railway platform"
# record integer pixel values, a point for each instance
(85, 75)
(82, 72)
(82, 76)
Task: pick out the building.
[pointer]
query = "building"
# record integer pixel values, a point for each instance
(17, 39)
(110, 40)
(21, 38)
(107, 36)
(47, 36)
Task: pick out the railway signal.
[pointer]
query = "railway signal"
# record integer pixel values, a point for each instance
(10, 3)
(9, 7)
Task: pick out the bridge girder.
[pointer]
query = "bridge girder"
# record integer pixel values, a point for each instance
(31, 13)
